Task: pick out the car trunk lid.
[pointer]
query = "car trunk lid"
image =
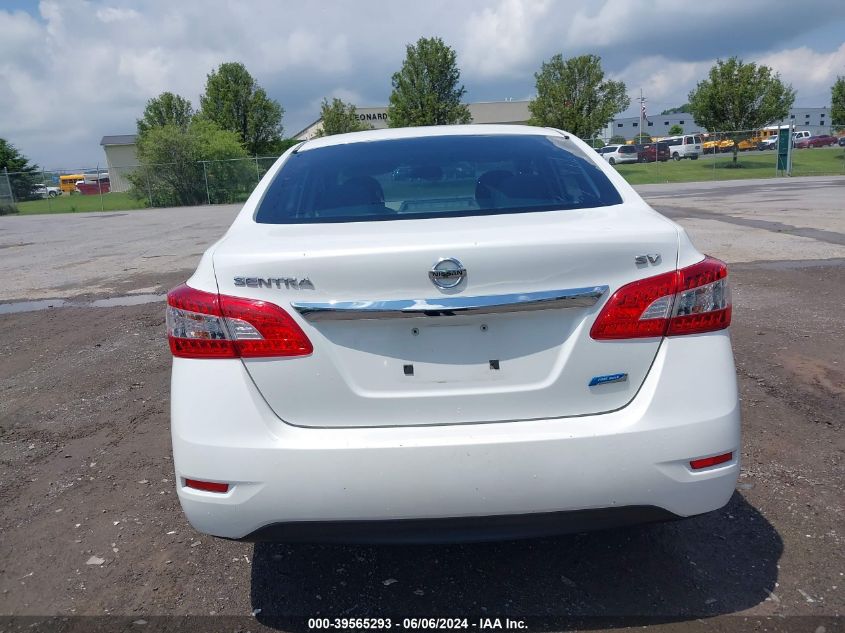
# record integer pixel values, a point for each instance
(509, 342)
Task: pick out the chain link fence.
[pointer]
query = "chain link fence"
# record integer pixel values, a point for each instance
(733, 155)
(7, 198)
(722, 156)
(40, 191)
(134, 186)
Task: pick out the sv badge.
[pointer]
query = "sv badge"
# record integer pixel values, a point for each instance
(648, 258)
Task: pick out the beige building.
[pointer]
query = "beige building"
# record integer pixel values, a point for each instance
(121, 158)
(486, 112)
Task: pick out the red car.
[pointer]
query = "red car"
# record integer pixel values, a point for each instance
(822, 140)
(651, 152)
(93, 186)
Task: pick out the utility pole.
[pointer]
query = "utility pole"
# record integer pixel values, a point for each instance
(642, 101)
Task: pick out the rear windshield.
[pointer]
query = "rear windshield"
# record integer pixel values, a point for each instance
(434, 177)
(628, 149)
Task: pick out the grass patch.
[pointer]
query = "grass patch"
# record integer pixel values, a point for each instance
(78, 203)
(818, 161)
(805, 162)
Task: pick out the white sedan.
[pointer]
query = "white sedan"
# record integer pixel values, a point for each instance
(505, 342)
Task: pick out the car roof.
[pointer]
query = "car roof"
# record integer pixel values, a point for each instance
(427, 131)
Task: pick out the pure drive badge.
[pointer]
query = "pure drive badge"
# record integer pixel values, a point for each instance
(607, 379)
(291, 283)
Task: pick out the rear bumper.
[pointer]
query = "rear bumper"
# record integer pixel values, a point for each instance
(312, 484)
(459, 529)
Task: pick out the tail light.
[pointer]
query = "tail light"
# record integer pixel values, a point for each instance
(692, 300)
(207, 486)
(707, 462)
(207, 325)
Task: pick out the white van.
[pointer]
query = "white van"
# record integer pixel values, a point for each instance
(619, 154)
(685, 146)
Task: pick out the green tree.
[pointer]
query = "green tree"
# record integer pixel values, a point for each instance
(617, 139)
(573, 95)
(682, 108)
(675, 130)
(166, 109)
(339, 118)
(171, 171)
(22, 174)
(235, 102)
(737, 98)
(277, 148)
(427, 89)
(837, 101)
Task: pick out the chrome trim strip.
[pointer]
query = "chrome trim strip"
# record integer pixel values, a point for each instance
(450, 306)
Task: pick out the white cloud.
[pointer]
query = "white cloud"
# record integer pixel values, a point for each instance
(78, 69)
(147, 70)
(665, 82)
(807, 70)
(500, 40)
(114, 14)
(303, 48)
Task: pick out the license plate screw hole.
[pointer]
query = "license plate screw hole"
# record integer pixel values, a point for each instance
(483, 327)
(415, 331)
(494, 364)
(409, 370)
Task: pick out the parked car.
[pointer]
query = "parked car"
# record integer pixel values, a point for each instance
(769, 143)
(651, 152)
(822, 140)
(685, 146)
(44, 191)
(93, 185)
(841, 141)
(799, 135)
(545, 355)
(619, 154)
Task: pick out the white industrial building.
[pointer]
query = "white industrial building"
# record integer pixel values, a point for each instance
(816, 120)
(121, 157)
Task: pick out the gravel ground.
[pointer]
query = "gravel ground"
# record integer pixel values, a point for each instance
(90, 523)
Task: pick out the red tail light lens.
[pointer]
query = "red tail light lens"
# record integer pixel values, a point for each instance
(195, 326)
(206, 325)
(692, 300)
(207, 486)
(637, 310)
(707, 462)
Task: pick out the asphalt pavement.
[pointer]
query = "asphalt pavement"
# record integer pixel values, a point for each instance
(90, 524)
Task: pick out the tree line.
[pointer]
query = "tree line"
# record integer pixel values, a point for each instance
(186, 156)
(572, 94)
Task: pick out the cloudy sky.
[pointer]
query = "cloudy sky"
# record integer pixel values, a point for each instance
(74, 70)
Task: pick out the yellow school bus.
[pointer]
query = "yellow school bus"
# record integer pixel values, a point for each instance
(67, 183)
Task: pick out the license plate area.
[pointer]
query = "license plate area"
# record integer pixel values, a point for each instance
(448, 353)
(415, 354)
